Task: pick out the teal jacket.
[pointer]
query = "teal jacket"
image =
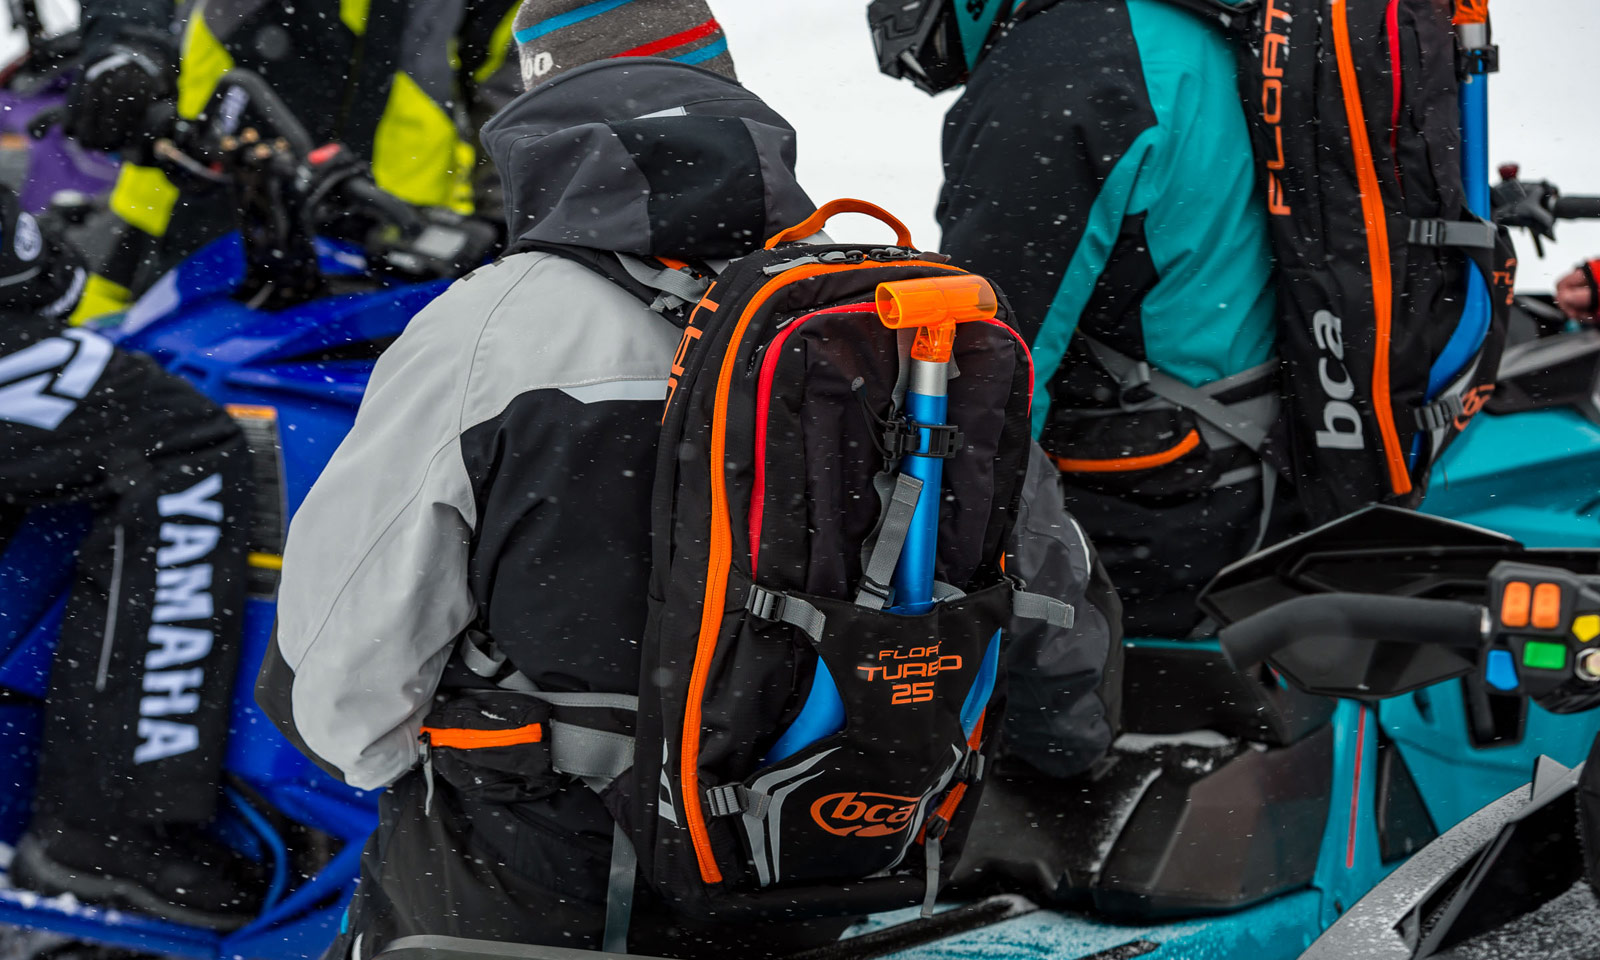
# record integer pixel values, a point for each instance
(1099, 168)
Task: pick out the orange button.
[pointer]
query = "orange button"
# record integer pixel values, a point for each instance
(1514, 604)
(1547, 606)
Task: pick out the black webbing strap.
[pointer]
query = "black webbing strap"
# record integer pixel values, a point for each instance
(1468, 234)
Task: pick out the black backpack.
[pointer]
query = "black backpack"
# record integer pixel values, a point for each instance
(1353, 110)
(779, 509)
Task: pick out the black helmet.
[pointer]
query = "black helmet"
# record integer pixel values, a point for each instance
(934, 43)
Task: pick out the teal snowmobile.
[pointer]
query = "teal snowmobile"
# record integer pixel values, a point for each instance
(1358, 706)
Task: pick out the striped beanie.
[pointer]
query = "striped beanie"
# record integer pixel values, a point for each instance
(554, 36)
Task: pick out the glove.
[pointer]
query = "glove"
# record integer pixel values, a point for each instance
(39, 273)
(1578, 293)
(107, 106)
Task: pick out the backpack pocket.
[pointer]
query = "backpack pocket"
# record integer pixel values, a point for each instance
(862, 801)
(1157, 455)
(491, 745)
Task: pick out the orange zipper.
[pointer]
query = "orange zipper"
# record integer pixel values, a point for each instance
(721, 556)
(1377, 248)
(1121, 464)
(463, 739)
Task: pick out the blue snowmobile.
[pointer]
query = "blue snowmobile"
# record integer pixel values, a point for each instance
(281, 326)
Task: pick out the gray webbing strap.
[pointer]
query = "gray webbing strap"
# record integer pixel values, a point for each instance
(782, 608)
(674, 283)
(932, 851)
(619, 892)
(589, 754)
(875, 577)
(596, 757)
(1262, 410)
(484, 658)
(1135, 373)
(1037, 606)
(902, 378)
(1472, 234)
(1269, 492)
(1440, 413)
(943, 592)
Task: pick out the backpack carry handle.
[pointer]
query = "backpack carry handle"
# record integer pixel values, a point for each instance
(831, 209)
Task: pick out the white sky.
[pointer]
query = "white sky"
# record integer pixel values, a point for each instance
(866, 136)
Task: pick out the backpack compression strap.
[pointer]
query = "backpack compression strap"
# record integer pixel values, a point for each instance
(597, 757)
(1245, 422)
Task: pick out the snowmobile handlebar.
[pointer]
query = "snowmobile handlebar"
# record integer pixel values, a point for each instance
(1536, 205)
(1576, 208)
(1326, 620)
(1536, 636)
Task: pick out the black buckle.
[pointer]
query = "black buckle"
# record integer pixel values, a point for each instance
(1427, 233)
(1482, 60)
(876, 589)
(903, 437)
(765, 604)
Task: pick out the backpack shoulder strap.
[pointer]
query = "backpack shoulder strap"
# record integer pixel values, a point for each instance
(661, 287)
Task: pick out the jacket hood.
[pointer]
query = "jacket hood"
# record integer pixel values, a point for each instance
(646, 156)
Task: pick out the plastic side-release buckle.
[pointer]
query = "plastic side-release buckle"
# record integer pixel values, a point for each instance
(765, 604)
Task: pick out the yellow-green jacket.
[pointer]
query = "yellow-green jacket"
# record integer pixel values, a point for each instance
(398, 81)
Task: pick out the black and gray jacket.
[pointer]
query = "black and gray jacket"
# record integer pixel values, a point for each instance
(498, 476)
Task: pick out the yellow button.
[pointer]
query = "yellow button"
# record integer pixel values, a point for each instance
(1586, 627)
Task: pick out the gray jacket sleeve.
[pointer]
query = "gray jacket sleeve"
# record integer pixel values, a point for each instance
(1064, 684)
(375, 587)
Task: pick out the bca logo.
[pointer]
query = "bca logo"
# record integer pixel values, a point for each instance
(864, 814)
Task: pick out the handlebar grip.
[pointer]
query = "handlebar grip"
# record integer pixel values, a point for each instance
(362, 192)
(1577, 208)
(1326, 617)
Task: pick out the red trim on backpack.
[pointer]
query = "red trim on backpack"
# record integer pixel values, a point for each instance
(1394, 72)
(1026, 353)
(769, 366)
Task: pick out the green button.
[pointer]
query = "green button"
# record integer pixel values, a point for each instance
(1544, 656)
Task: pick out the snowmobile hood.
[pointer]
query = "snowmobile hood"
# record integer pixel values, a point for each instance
(646, 156)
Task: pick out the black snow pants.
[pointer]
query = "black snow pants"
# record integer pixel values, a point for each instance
(531, 872)
(139, 698)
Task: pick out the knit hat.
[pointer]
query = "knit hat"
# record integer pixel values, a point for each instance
(557, 35)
